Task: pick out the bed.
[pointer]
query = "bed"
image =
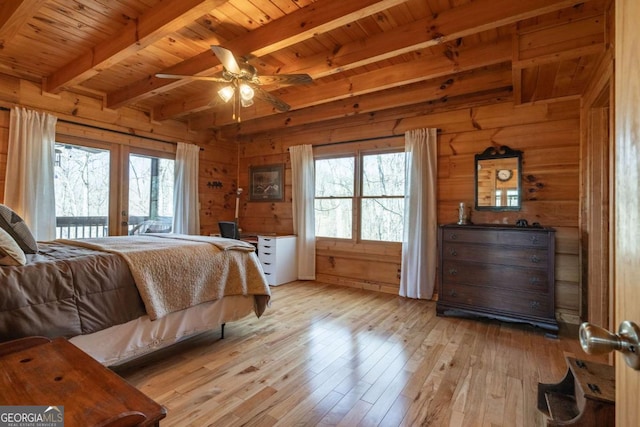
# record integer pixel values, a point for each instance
(120, 297)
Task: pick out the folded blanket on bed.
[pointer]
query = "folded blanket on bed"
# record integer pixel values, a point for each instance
(174, 272)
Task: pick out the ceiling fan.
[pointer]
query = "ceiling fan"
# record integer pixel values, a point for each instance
(243, 79)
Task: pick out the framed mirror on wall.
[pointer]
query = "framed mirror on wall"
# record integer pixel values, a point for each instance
(498, 179)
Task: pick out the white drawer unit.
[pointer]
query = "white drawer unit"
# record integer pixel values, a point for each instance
(277, 255)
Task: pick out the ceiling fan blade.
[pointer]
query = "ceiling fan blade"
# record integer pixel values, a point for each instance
(285, 79)
(226, 58)
(276, 102)
(186, 77)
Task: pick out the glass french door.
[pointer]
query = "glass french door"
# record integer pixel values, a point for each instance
(104, 188)
(150, 198)
(81, 185)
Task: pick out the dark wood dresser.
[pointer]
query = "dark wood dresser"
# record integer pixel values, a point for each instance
(497, 271)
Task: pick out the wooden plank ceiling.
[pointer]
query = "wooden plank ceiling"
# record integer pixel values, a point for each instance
(363, 55)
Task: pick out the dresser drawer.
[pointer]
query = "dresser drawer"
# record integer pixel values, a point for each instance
(267, 256)
(521, 237)
(269, 269)
(496, 276)
(529, 257)
(519, 303)
(267, 244)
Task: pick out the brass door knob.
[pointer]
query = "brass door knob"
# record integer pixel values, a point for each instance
(597, 340)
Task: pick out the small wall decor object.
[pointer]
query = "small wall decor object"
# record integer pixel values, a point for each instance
(266, 183)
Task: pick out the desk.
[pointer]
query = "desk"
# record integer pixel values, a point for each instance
(42, 372)
(277, 254)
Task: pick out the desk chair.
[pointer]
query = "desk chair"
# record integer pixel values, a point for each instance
(229, 230)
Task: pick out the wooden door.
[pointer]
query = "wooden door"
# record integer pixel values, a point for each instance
(627, 203)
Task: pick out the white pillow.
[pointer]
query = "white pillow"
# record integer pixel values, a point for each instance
(10, 252)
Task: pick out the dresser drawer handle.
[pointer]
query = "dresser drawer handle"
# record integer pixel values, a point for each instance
(453, 293)
(267, 253)
(267, 246)
(535, 304)
(453, 271)
(534, 240)
(534, 280)
(453, 236)
(266, 263)
(535, 259)
(453, 252)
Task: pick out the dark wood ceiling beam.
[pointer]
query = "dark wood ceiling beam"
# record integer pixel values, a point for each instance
(426, 68)
(159, 21)
(481, 80)
(451, 24)
(318, 17)
(13, 15)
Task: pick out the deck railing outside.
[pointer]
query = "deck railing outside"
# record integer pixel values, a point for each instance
(83, 227)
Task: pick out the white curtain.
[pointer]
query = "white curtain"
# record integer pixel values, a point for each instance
(303, 177)
(29, 187)
(419, 245)
(186, 209)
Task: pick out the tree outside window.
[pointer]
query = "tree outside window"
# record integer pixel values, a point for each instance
(360, 196)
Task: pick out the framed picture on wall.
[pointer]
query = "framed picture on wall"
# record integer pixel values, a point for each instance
(266, 183)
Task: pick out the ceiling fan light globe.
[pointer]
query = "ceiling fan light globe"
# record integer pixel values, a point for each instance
(226, 93)
(246, 92)
(246, 102)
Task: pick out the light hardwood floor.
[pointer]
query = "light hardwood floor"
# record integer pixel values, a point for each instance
(327, 355)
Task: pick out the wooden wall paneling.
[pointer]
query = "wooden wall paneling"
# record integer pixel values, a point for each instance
(596, 146)
(362, 265)
(548, 213)
(87, 110)
(596, 215)
(568, 291)
(466, 131)
(331, 131)
(217, 184)
(539, 135)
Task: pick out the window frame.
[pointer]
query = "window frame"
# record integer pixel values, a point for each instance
(119, 169)
(358, 155)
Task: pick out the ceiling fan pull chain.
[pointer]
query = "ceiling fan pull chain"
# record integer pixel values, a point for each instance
(233, 103)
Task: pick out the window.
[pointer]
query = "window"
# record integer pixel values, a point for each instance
(382, 212)
(150, 192)
(335, 181)
(361, 196)
(104, 188)
(81, 191)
